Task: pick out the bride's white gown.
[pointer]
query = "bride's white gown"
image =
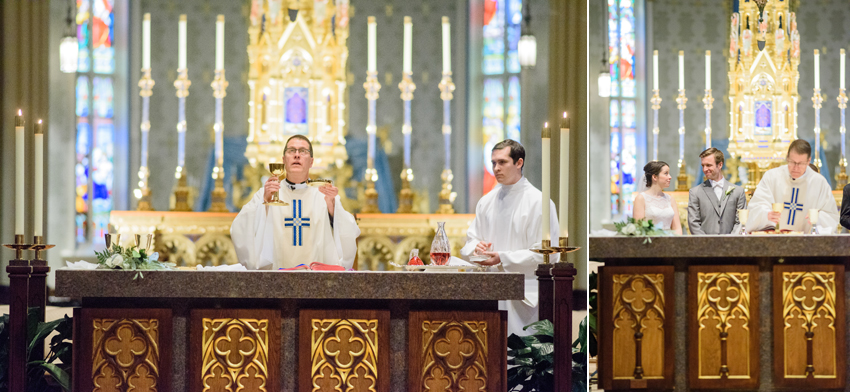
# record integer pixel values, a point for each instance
(659, 210)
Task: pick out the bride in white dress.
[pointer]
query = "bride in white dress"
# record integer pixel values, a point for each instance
(653, 203)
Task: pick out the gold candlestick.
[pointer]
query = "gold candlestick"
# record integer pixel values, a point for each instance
(372, 87)
(405, 197)
(19, 246)
(219, 195)
(181, 192)
(564, 249)
(39, 245)
(447, 197)
(545, 249)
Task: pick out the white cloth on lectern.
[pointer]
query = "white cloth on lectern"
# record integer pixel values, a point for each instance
(510, 217)
(776, 187)
(272, 237)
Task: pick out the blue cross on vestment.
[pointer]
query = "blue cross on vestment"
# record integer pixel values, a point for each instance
(794, 206)
(296, 223)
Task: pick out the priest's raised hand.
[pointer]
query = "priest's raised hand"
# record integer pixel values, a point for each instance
(314, 227)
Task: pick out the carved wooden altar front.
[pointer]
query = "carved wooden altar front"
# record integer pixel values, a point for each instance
(203, 238)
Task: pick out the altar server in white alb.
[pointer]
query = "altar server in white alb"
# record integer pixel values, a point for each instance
(507, 223)
(799, 189)
(314, 227)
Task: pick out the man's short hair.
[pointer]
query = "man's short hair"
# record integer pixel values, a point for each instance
(718, 155)
(517, 151)
(801, 147)
(815, 168)
(302, 137)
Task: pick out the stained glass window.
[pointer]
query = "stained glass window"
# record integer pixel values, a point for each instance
(621, 59)
(501, 85)
(95, 111)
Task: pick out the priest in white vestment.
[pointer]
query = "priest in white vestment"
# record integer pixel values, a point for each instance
(507, 223)
(799, 189)
(313, 228)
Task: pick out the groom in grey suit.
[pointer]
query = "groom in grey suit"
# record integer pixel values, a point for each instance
(713, 205)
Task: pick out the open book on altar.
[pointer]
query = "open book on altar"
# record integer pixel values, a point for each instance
(314, 266)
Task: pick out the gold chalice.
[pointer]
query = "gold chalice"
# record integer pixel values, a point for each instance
(277, 170)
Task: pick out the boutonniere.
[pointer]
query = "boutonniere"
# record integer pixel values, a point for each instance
(731, 188)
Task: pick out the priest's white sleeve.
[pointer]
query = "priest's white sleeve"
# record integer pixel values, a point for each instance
(345, 231)
(828, 217)
(761, 204)
(250, 232)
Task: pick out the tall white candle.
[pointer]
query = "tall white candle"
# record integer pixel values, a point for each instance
(181, 34)
(655, 70)
(681, 70)
(408, 44)
(842, 69)
(708, 70)
(219, 42)
(371, 45)
(817, 69)
(447, 46)
(146, 41)
(20, 173)
(564, 177)
(545, 188)
(39, 180)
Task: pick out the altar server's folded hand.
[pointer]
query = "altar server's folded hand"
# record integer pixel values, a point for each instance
(482, 247)
(271, 186)
(774, 217)
(493, 260)
(330, 193)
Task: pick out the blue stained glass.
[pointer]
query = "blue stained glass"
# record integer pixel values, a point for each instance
(83, 35)
(81, 174)
(103, 33)
(628, 108)
(102, 176)
(103, 95)
(627, 48)
(82, 96)
(494, 37)
(614, 113)
(613, 47)
(514, 112)
(514, 34)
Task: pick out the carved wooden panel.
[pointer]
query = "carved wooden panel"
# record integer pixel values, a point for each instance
(123, 349)
(234, 349)
(723, 307)
(636, 327)
(344, 350)
(809, 324)
(457, 351)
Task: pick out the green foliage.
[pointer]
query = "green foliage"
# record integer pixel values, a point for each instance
(639, 228)
(531, 360)
(60, 349)
(131, 258)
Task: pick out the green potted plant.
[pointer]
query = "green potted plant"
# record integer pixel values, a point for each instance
(531, 359)
(44, 374)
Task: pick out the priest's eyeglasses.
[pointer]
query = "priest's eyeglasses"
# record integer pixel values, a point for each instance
(292, 151)
(796, 164)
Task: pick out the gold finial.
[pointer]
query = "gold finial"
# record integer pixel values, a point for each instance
(182, 17)
(147, 16)
(19, 119)
(220, 18)
(38, 128)
(371, 20)
(546, 133)
(407, 20)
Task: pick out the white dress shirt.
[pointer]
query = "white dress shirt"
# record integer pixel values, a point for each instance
(717, 186)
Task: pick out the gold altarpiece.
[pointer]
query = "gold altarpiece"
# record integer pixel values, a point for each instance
(763, 60)
(297, 56)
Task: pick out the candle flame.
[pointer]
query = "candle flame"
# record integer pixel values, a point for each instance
(20, 113)
(565, 114)
(39, 121)
(546, 125)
